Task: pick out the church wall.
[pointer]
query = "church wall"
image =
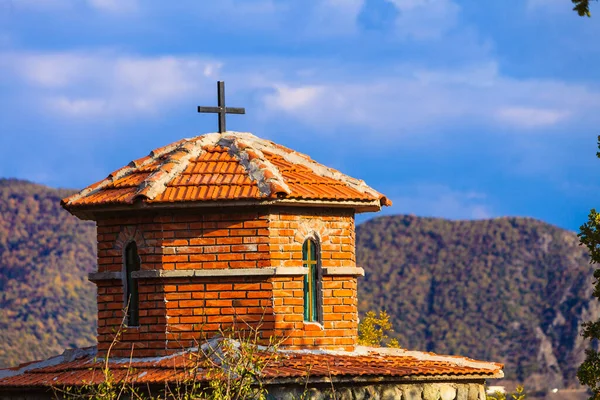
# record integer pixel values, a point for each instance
(181, 240)
(333, 230)
(338, 328)
(186, 239)
(147, 340)
(200, 308)
(175, 312)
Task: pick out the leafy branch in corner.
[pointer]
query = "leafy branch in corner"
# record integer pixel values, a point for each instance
(589, 371)
(373, 329)
(582, 7)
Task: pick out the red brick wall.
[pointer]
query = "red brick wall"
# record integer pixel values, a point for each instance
(198, 308)
(334, 230)
(146, 340)
(176, 311)
(288, 229)
(178, 240)
(192, 240)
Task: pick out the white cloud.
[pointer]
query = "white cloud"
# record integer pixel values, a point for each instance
(5, 40)
(55, 70)
(114, 6)
(106, 6)
(413, 98)
(482, 75)
(91, 84)
(253, 15)
(333, 17)
(42, 5)
(149, 82)
(425, 19)
(437, 200)
(403, 98)
(554, 5)
(531, 117)
(290, 99)
(289, 19)
(77, 107)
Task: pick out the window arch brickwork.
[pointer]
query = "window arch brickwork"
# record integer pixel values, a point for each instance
(127, 234)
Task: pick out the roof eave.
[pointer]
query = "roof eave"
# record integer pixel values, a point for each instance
(90, 212)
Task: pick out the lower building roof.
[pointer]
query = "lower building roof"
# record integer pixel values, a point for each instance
(81, 366)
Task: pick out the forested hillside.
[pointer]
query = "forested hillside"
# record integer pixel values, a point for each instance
(46, 302)
(513, 290)
(509, 289)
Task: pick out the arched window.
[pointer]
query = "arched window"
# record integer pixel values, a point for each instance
(132, 299)
(312, 282)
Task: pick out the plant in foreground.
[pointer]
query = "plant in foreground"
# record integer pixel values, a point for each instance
(226, 367)
(372, 330)
(518, 394)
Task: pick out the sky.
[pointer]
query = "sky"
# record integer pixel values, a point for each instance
(462, 109)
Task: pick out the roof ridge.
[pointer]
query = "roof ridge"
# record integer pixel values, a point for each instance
(179, 157)
(319, 169)
(122, 172)
(267, 176)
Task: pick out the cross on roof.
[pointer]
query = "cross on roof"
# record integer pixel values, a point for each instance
(221, 109)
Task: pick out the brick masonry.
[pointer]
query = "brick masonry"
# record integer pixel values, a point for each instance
(177, 312)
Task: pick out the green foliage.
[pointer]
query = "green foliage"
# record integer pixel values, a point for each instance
(231, 364)
(519, 394)
(46, 302)
(108, 388)
(484, 289)
(373, 329)
(589, 370)
(582, 7)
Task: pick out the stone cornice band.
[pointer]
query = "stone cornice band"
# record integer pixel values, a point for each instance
(188, 273)
(348, 271)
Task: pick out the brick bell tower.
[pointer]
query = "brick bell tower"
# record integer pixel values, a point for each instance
(222, 229)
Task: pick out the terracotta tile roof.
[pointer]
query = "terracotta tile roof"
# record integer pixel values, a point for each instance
(228, 166)
(393, 364)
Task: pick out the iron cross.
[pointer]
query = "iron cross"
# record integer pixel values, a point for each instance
(221, 109)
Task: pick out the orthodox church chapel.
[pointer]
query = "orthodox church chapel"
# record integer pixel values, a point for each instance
(228, 229)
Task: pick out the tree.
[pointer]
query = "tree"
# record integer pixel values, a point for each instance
(372, 330)
(589, 371)
(582, 7)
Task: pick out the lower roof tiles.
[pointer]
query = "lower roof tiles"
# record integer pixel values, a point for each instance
(366, 363)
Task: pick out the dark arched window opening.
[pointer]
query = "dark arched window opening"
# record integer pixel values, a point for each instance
(312, 285)
(132, 299)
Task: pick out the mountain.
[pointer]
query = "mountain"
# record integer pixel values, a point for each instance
(46, 302)
(513, 290)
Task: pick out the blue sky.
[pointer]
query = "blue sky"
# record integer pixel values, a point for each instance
(463, 109)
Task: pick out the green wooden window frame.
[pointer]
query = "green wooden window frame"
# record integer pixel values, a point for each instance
(311, 280)
(132, 298)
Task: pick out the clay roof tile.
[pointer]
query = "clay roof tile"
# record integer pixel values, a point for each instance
(398, 364)
(243, 165)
